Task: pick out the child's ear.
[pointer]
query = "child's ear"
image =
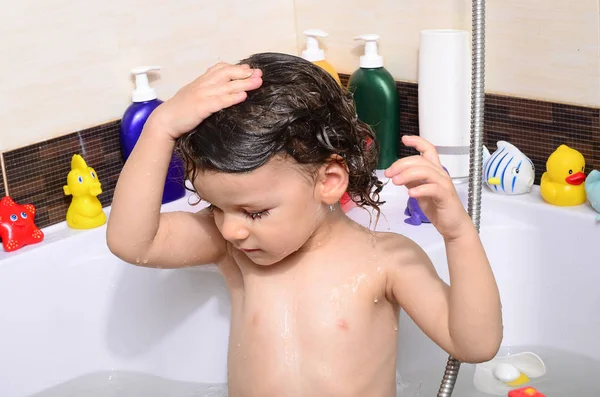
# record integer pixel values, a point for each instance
(333, 180)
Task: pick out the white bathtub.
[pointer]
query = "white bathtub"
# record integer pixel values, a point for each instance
(76, 321)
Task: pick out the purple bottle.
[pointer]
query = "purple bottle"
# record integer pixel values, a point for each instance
(144, 102)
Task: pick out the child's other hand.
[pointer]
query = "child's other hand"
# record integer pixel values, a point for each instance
(222, 85)
(431, 185)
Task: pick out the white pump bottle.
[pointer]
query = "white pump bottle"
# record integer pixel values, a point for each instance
(315, 54)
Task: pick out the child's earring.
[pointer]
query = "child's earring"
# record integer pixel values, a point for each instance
(332, 207)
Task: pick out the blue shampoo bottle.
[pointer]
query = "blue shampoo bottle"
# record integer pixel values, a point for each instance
(145, 101)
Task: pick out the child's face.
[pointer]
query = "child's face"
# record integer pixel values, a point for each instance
(268, 213)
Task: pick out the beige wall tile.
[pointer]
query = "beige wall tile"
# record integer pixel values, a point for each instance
(545, 49)
(398, 22)
(66, 64)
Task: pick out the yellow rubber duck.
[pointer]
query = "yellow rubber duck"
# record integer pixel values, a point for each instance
(85, 211)
(563, 182)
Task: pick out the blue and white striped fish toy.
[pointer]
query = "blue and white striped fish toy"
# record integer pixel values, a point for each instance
(507, 170)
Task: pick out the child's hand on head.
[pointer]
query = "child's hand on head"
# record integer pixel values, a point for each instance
(431, 185)
(222, 85)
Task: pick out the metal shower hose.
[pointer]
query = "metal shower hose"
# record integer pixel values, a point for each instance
(475, 153)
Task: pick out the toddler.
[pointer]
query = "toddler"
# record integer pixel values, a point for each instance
(272, 144)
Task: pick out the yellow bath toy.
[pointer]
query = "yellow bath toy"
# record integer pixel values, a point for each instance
(85, 211)
(503, 373)
(563, 182)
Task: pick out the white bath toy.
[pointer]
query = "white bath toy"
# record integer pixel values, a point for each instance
(507, 170)
(502, 374)
(592, 190)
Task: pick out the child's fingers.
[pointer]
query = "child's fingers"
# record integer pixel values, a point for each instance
(405, 163)
(426, 149)
(217, 66)
(216, 103)
(248, 84)
(430, 190)
(232, 72)
(209, 93)
(418, 175)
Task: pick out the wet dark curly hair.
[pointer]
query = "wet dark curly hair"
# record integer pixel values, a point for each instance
(299, 111)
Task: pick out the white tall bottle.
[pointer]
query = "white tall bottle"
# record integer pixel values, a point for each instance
(445, 96)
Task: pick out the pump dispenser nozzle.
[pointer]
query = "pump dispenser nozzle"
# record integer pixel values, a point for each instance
(312, 52)
(143, 92)
(371, 59)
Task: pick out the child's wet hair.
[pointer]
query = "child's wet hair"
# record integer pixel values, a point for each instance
(299, 111)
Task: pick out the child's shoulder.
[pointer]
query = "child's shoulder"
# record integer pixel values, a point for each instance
(399, 249)
(387, 243)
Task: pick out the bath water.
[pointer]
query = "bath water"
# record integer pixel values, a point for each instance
(131, 384)
(567, 375)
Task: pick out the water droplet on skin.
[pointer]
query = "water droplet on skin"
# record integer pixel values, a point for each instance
(145, 261)
(395, 328)
(239, 345)
(376, 300)
(137, 260)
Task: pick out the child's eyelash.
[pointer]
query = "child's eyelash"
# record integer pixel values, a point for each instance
(257, 215)
(251, 215)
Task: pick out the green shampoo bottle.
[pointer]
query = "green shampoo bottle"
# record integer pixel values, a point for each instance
(377, 101)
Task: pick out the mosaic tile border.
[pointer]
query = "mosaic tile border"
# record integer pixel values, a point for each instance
(536, 127)
(2, 190)
(36, 173)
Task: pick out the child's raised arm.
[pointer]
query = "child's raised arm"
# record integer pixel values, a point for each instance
(465, 318)
(137, 231)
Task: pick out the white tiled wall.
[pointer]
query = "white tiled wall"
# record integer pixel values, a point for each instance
(65, 64)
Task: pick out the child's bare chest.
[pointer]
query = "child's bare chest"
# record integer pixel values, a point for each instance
(311, 326)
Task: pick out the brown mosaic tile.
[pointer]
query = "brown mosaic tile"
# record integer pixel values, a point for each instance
(37, 173)
(409, 114)
(2, 191)
(536, 127)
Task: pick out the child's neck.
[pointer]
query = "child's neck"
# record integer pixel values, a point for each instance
(328, 228)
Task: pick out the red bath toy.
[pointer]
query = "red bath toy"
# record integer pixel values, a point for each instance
(525, 392)
(16, 225)
(346, 202)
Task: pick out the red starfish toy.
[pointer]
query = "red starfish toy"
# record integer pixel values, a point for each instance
(16, 225)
